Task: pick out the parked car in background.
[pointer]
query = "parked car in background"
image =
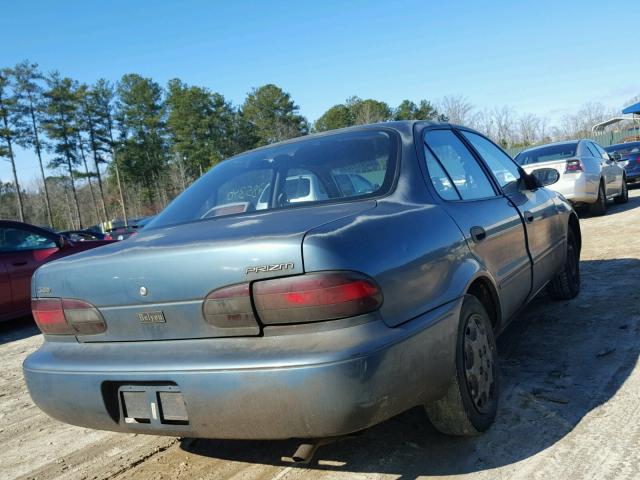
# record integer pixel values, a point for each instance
(85, 235)
(628, 156)
(24, 248)
(315, 318)
(123, 232)
(587, 175)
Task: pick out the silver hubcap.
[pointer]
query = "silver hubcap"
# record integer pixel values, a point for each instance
(478, 363)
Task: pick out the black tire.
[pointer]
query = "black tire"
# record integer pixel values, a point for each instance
(471, 402)
(624, 196)
(600, 207)
(566, 285)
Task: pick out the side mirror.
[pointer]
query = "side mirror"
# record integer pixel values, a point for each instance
(546, 176)
(63, 242)
(616, 156)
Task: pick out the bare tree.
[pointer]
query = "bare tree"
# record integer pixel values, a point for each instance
(456, 108)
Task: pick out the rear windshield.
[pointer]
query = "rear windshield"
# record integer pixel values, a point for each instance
(625, 150)
(547, 153)
(318, 169)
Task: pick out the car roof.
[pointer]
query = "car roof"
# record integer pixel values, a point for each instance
(564, 142)
(404, 127)
(622, 145)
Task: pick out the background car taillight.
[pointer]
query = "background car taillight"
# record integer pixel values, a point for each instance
(315, 297)
(573, 165)
(62, 316)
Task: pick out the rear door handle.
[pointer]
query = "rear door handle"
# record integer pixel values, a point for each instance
(528, 217)
(478, 234)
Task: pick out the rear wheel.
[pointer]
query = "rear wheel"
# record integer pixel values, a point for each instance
(471, 402)
(600, 207)
(566, 285)
(624, 195)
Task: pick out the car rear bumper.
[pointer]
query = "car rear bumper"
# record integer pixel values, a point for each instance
(578, 187)
(309, 385)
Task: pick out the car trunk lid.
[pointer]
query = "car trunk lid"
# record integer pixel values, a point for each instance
(152, 286)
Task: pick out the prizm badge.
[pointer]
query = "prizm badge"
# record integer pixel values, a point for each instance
(152, 317)
(269, 268)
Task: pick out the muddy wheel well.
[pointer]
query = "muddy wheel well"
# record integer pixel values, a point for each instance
(574, 225)
(483, 290)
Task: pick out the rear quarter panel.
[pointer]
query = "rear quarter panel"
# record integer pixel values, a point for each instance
(415, 252)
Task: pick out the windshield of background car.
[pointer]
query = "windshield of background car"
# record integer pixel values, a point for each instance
(314, 170)
(625, 151)
(546, 154)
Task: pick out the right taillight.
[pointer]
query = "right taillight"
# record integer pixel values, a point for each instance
(63, 316)
(312, 297)
(573, 165)
(315, 297)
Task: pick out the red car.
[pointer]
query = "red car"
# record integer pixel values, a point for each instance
(23, 248)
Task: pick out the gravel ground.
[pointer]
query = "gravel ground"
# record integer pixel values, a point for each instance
(570, 404)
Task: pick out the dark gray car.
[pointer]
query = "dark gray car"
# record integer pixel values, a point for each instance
(314, 318)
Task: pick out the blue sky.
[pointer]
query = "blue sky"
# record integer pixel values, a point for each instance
(543, 57)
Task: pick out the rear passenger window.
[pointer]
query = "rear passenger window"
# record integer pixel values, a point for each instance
(439, 178)
(504, 169)
(592, 150)
(601, 152)
(459, 165)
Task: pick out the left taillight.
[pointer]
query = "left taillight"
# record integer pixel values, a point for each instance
(64, 316)
(230, 307)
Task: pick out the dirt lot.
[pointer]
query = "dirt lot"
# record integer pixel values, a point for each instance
(570, 405)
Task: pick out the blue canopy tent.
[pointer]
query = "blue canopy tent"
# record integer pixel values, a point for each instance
(632, 109)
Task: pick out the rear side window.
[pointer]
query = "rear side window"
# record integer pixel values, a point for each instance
(17, 240)
(547, 153)
(591, 149)
(313, 170)
(601, 152)
(503, 168)
(460, 166)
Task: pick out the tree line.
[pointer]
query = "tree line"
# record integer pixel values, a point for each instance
(125, 149)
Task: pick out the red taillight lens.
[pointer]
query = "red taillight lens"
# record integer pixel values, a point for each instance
(573, 166)
(315, 297)
(55, 316)
(108, 237)
(638, 159)
(230, 307)
(49, 316)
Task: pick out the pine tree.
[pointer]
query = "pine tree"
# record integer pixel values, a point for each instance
(29, 98)
(9, 130)
(141, 124)
(61, 109)
(273, 115)
(101, 99)
(200, 126)
(87, 118)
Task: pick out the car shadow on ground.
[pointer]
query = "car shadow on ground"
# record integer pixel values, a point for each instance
(12, 330)
(614, 208)
(559, 361)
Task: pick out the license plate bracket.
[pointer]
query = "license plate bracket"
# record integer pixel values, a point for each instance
(157, 405)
